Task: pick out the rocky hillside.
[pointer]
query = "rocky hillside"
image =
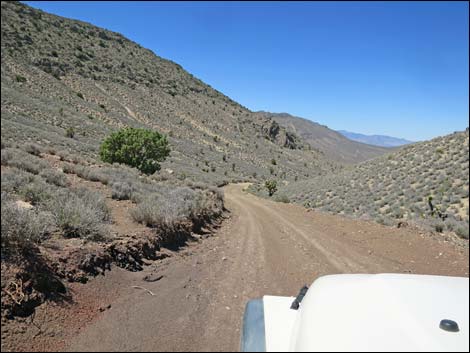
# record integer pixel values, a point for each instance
(425, 183)
(334, 145)
(62, 75)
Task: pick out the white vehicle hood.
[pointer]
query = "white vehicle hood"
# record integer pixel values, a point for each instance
(386, 312)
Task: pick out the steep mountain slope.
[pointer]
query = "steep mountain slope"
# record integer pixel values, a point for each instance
(60, 74)
(66, 215)
(397, 187)
(331, 143)
(376, 140)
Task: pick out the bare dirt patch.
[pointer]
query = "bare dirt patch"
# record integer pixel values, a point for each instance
(199, 293)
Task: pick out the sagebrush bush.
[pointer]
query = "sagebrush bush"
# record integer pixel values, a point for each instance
(69, 168)
(7, 155)
(462, 232)
(282, 198)
(81, 213)
(165, 209)
(23, 160)
(139, 148)
(54, 177)
(33, 149)
(14, 179)
(64, 155)
(176, 206)
(36, 192)
(21, 228)
(123, 190)
(91, 174)
(439, 227)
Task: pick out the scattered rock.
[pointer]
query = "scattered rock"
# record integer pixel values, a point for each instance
(153, 277)
(104, 308)
(402, 224)
(23, 204)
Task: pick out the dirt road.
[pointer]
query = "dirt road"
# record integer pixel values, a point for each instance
(194, 300)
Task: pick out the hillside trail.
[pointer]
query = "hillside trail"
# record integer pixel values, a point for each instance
(194, 300)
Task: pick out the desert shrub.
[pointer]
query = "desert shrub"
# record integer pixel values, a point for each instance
(54, 177)
(70, 132)
(80, 95)
(51, 151)
(91, 174)
(21, 227)
(69, 168)
(139, 148)
(462, 232)
(384, 221)
(96, 175)
(164, 209)
(14, 179)
(81, 213)
(20, 78)
(7, 155)
(123, 190)
(25, 161)
(218, 192)
(271, 186)
(282, 198)
(438, 227)
(33, 149)
(95, 201)
(36, 192)
(176, 206)
(64, 155)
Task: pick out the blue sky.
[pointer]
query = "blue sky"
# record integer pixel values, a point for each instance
(398, 68)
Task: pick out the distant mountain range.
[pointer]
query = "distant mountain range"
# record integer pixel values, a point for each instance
(376, 140)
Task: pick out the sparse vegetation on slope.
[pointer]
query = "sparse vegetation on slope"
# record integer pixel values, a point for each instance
(67, 86)
(425, 183)
(67, 217)
(22, 228)
(82, 83)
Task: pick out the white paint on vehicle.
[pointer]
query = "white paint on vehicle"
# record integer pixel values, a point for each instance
(384, 312)
(279, 321)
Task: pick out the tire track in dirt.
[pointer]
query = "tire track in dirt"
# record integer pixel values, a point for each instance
(264, 248)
